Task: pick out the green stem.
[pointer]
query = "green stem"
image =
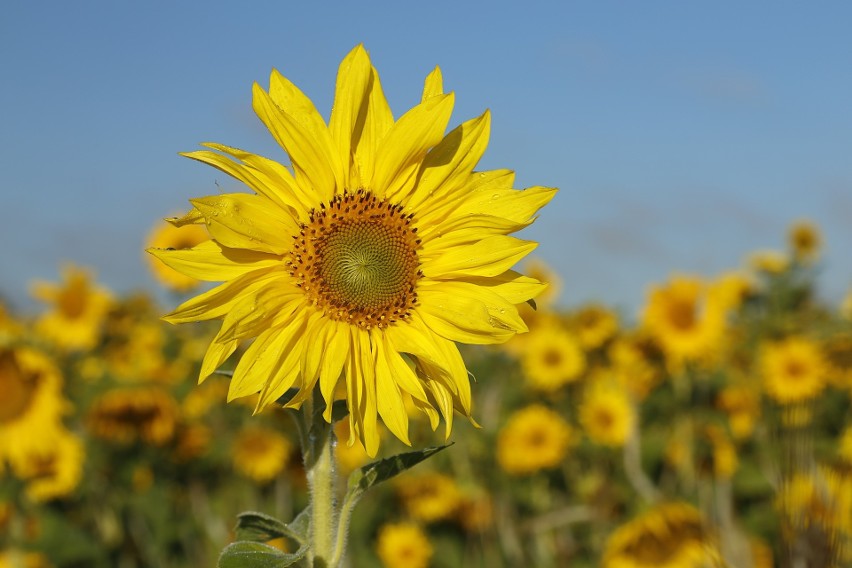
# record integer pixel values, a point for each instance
(343, 530)
(319, 464)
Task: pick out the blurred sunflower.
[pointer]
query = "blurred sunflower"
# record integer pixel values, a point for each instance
(742, 405)
(729, 290)
(167, 236)
(533, 438)
(125, 415)
(429, 497)
(684, 319)
(78, 310)
(260, 453)
(606, 414)
(19, 559)
(552, 358)
(594, 325)
(632, 365)
(769, 261)
(53, 472)
(403, 545)
(804, 240)
(671, 535)
(381, 243)
(31, 404)
(793, 370)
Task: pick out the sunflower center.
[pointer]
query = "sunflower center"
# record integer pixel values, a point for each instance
(17, 387)
(357, 260)
(682, 315)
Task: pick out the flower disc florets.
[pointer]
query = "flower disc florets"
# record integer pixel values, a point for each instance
(357, 260)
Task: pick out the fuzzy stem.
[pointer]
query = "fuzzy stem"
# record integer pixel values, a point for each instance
(319, 464)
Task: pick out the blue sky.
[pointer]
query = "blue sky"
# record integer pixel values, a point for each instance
(682, 135)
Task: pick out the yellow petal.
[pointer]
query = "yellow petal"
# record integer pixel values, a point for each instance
(488, 257)
(240, 220)
(294, 103)
(402, 149)
(512, 286)
(467, 313)
(216, 302)
(214, 263)
(433, 85)
(192, 217)
(350, 101)
(446, 169)
(217, 353)
(265, 176)
(463, 231)
(310, 157)
(404, 374)
(336, 352)
(390, 405)
(514, 204)
(365, 138)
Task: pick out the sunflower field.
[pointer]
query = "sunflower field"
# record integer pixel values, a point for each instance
(366, 293)
(712, 431)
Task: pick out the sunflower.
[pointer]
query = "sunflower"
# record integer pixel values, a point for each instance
(594, 325)
(53, 472)
(78, 312)
(31, 405)
(14, 558)
(606, 414)
(260, 453)
(533, 438)
(804, 240)
(381, 242)
(793, 370)
(742, 405)
(671, 535)
(632, 364)
(429, 497)
(125, 415)
(684, 319)
(167, 236)
(769, 261)
(403, 545)
(552, 358)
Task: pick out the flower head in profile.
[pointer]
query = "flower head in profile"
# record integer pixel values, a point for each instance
(378, 246)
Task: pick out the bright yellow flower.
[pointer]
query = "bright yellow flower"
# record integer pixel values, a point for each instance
(382, 243)
(53, 472)
(769, 261)
(78, 310)
(669, 536)
(793, 370)
(31, 404)
(632, 365)
(742, 405)
(429, 497)
(606, 414)
(533, 438)
(167, 236)
(260, 453)
(403, 545)
(594, 325)
(684, 319)
(147, 414)
(552, 358)
(804, 240)
(729, 290)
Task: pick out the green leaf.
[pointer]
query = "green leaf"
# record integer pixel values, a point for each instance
(362, 479)
(260, 527)
(246, 554)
